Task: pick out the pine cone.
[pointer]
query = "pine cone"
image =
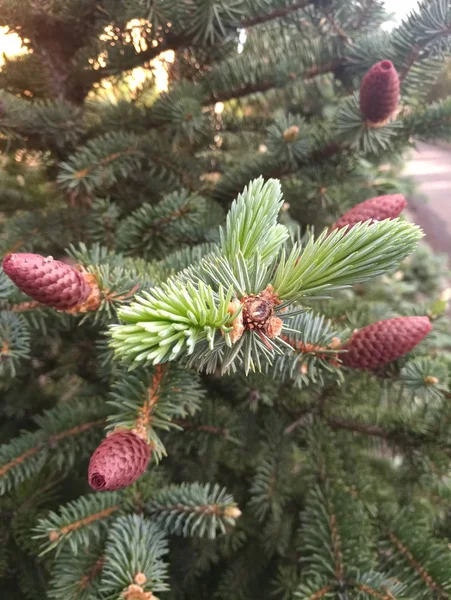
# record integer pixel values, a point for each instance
(48, 281)
(119, 460)
(374, 209)
(384, 341)
(379, 93)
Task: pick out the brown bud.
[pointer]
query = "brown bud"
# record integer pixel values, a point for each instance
(92, 302)
(135, 592)
(54, 536)
(335, 343)
(140, 578)
(274, 327)
(257, 310)
(291, 133)
(237, 325)
(211, 177)
(232, 512)
(430, 380)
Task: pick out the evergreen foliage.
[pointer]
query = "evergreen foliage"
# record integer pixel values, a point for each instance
(201, 216)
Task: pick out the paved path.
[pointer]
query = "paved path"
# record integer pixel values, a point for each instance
(431, 170)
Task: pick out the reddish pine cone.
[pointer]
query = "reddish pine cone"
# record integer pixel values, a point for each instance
(374, 209)
(119, 460)
(384, 341)
(379, 92)
(48, 281)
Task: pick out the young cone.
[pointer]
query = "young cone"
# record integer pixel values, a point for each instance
(384, 341)
(48, 281)
(119, 460)
(379, 93)
(374, 209)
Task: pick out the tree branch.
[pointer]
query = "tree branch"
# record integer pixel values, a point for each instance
(396, 436)
(416, 52)
(277, 13)
(375, 430)
(266, 85)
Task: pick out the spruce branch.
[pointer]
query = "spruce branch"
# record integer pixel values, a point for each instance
(64, 434)
(134, 555)
(428, 28)
(425, 378)
(277, 79)
(251, 227)
(268, 491)
(423, 559)
(146, 401)
(169, 320)
(14, 342)
(314, 589)
(179, 317)
(374, 584)
(183, 259)
(342, 257)
(100, 163)
(428, 121)
(194, 509)
(371, 430)
(6, 286)
(151, 231)
(353, 131)
(276, 13)
(77, 576)
(207, 433)
(316, 350)
(78, 522)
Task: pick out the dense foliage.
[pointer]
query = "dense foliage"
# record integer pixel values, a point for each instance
(276, 470)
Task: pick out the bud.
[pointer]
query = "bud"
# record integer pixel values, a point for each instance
(232, 512)
(274, 327)
(291, 133)
(140, 578)
(135, 592)
(237, 325)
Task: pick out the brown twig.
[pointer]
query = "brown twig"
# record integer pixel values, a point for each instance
(267, 84)
(277, 13)
(54, 438)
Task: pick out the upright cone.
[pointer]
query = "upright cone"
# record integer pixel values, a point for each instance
(374, 209)
(48, 281)
(379, 93)
(118, 462)
(384, 341)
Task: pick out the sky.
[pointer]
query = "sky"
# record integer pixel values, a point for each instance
(400, 7)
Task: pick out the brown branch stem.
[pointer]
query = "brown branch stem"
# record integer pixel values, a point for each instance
(198, 427)
(54, 438)
(269, 84)
(277, 13)
(422, 572)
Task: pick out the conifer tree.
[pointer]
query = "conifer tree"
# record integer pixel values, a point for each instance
(223, 359)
